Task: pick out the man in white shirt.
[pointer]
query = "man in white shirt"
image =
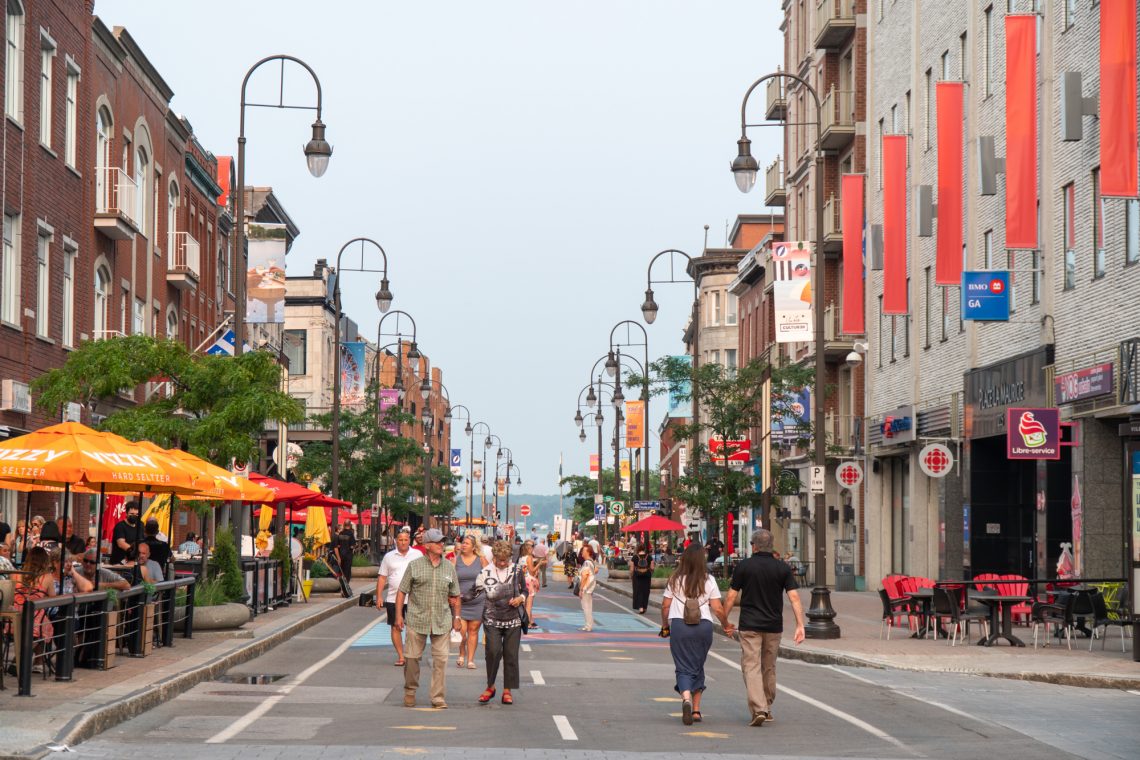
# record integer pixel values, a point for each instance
(391, 572)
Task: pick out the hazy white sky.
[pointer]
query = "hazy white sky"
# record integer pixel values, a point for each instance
(520, 161)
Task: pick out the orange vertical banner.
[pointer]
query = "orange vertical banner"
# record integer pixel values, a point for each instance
(851, 196)
(634, 424)
(1118, 131)
(894, 225)
(948, 262)
(1020, 132)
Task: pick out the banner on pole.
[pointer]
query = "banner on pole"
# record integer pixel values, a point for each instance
(1020, 131)
(352, 375)
(626, 482)
(852, 205)
(948, 254)
(594, 464)
(265, 276)
(894, 225)
(634, 424)
(389, 398)
(791, 263)
(457, 461)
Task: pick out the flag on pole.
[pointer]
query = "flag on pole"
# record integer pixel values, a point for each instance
(559, 468)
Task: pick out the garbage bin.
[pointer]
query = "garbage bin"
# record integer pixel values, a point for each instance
(845, 564)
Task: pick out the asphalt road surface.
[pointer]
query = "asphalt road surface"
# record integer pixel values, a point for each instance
(609, 694)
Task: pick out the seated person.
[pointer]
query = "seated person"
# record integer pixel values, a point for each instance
(159, 549)
(190, 546)
(107, 578)
(149, 571)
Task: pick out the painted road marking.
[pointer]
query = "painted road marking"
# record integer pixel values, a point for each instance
(526, 647)
(248, 719)
(1133, 691)
(848, 717)
(705, 734)
(564, 729)
(915, 697)
(613, 650)
(536, 676)
(424, 728)
(665, 699)
(621, 658)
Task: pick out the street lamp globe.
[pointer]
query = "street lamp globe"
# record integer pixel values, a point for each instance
(619, 397)
(591, 397)
(578, 418)
(744, 167)
(467, 429)
(611, 364)
(598, 418)
(582, 435)
(384, 296)
(447, 415)
(487, 442)
(425, 388)
(499, 454)
(649, 308)
(318, 151)
(519, 481)
(414, 351)
(425, 415)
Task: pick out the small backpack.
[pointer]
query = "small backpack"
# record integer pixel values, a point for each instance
(692, 614)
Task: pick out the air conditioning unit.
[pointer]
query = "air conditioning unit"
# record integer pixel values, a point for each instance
(72, 412)
(14, 397)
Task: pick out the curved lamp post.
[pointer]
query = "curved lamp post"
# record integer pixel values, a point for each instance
(482, 480)
(317, 154)
(821, 614)
(453, 412)
(383, 302)
(498, 444)
(612, 369)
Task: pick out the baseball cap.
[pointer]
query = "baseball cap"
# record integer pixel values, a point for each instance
(432, 536)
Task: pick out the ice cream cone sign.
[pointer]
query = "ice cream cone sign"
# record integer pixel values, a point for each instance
(1032, 432)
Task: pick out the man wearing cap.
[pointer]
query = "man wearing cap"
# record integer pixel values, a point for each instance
(430, 588)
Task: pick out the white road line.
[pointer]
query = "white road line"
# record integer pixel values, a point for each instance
(632, 614)
(246, 720)
(564, 729)
(536, 676)
(1133, 691)
(526, 647)
(915, 697)
(849, 718)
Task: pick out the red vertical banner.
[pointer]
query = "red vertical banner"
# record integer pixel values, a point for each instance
(1118, 115)
(894, 224)
(851, 198)
(948, 263)
(1020, 132)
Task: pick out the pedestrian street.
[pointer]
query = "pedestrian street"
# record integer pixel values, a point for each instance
(605, 694)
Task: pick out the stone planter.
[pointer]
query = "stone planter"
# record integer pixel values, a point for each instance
(326, 586)
(619, 575)
(220, 617)
(659, 583)
(365, 571)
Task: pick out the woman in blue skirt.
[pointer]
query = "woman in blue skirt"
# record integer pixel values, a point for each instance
(691, 600)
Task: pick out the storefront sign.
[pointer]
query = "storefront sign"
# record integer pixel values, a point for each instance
(936, 460)
(991, 390)
(1033, 434)
(736, 449)
(985, 296)
(897, 426)
(1084, 383)
(849, 475)
(1136, 506)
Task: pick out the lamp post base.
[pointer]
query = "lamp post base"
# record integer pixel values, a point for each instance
(821, 615)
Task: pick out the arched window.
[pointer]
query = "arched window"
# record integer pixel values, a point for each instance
(14, 61)
(142, 187)
(172, 324)
(171, 214)
(103, 182)
(102, 301)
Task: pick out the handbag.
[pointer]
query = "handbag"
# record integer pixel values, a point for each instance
(576, 586)
(524, 618)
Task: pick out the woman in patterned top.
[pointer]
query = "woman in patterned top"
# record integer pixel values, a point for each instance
(504, 592)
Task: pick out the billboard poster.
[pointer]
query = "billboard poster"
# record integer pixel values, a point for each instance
(680, 404)
(352, 375)
(389, 398)
(1033, 434)
(634, 424)
(791, 264)
(265, 276)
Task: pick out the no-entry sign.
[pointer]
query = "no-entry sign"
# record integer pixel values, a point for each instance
(524, 510)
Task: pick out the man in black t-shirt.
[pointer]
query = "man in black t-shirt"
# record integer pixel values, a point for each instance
(713, 548)
(760, 582)
(159, 550)
(126, 536)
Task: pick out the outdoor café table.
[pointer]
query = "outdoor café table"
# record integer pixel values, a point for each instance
(1003, 603)
(925, 597)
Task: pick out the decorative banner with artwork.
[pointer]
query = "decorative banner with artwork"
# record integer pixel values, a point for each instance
(594, 464)
(389, 398)
(634, 424)
(477, 472)
(265, 277)
(352, 376)
(626, 482)
(791, 263)
(796, 423)
(680, 401)
(457, 461)
(501, 485)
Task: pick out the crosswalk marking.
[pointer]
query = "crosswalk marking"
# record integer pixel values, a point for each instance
(536, 676)
(564, 728)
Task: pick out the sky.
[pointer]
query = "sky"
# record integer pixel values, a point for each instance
(519, 161)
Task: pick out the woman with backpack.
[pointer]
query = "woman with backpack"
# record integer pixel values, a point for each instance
(691, 599)
(641, 574)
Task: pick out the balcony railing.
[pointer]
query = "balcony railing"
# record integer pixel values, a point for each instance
(183, 260)
(774, 193)
(116, 203)
(840, 429)
(777, 109)
(834, 23)
(832, 224)
(838, 118)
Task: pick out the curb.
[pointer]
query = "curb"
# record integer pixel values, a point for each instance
(831, 657)
(97, 720)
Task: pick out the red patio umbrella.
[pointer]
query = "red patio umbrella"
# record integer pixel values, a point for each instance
(653, 523)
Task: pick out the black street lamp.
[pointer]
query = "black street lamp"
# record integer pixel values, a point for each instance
(483, 479)
(453, 412)
(644, 388)
(383, 302)
(821, 614)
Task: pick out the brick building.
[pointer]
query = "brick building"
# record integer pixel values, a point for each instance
(1072, 300)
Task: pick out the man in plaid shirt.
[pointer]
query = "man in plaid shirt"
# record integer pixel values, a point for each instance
(430, 588)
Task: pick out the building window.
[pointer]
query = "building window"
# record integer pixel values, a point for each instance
(1069, 234)
(944, 71)
(138, 317)
(103, 182)
(988, 249)
(102, 302)
(47, 59)
(879, 154)
(295, 344)
(945, 312)
(171, 325)
(963, 57)
(714, 307)
(894, 339)
(142, 166)
(988, 31)
(171, 216)
(1035, 295)
(906, 323)
(14, 62)
(67, 307)
(1098, 226)
(926, 305)
(43, 283)
(714, 357)
(155, 319)
(1070, 13)
(895, 119)
(730, 308)
(1131, 231)
(1012, 281)
(928, 89)
(10, 297)
(882, 341)
(730, 360)
(70, 116)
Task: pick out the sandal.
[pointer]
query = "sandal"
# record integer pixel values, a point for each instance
(399, 663)
(507, 698)
(696, 716)
(471, 665)
(487, 695)
(687, 712)
(460, 662)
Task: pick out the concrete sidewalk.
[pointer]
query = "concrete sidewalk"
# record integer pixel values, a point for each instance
(859, 614)
(65, 713)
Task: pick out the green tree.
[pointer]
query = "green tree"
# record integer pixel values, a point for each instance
(581, 489)
(226, 565)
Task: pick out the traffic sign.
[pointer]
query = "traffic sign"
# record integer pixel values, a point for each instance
(985, 295)
(816, 481)
(616, 508)
(646, 506)
(524, 510)
(849, 475)
(599, 512)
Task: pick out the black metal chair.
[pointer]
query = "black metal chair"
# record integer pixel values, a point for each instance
(892, 608)
(1054, 613)
(947, 605)
(1102, 617)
